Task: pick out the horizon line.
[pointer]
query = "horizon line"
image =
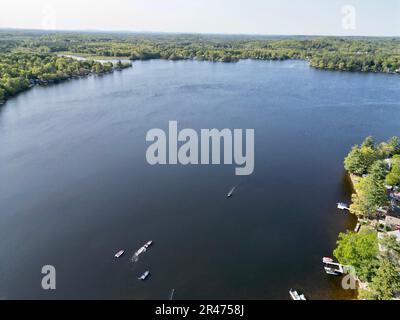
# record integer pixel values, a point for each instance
(105, 31)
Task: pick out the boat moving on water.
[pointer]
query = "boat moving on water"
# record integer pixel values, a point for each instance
(148, 244)
(296, 295)
(142, 249)
(119, 253)
(171, 296)
(144, 276)
(230, 193)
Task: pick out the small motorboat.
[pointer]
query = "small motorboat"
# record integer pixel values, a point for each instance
(230, 193)
(171, 296)
(144, 276)
(148, 244)
(119, 253)
(296, 295)
(140, 251)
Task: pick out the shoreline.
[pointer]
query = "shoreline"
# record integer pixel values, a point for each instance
(110, 59)
(40, 83)
(371, 220)
(85, 56)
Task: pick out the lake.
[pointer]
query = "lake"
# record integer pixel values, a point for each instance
(75, 186)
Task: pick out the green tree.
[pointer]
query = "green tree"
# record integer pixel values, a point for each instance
(2, 94)
(379, 170)
(391, 249)
(359, 250)
(393, 178)
(371, 194)
(369, 142)
(389, 148)
(354, 162)
(360, 159)
(385, 283)
(98, 68)
(394, 142)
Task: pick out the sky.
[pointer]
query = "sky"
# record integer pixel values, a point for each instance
(270, 17)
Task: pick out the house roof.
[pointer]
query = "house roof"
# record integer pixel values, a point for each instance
(392, 220)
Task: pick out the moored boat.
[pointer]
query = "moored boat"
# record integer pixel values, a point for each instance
(296, 295)
(342, 206)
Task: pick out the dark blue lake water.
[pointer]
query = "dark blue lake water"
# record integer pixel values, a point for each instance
(75, 186)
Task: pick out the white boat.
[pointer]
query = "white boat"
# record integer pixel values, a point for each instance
(140, 251)
(143, 249)
(296, 296)
(148, 244)
(327, 260)
(230, 193)
(144, 275)
(343, 206)
(119, 253)
(332, 268)
(171, 296)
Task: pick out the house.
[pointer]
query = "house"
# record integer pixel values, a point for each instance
(392, 221)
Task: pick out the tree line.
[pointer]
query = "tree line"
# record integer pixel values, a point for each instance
(29, 57)
(338, 53)
(21, 70)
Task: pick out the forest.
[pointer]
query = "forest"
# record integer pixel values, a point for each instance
(35, 57)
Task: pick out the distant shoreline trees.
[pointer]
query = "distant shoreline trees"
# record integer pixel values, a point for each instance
(19, 71)
(29, 57)
(377, 166)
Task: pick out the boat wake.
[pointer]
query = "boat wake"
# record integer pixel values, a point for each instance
(143, 249)
(230, 193)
